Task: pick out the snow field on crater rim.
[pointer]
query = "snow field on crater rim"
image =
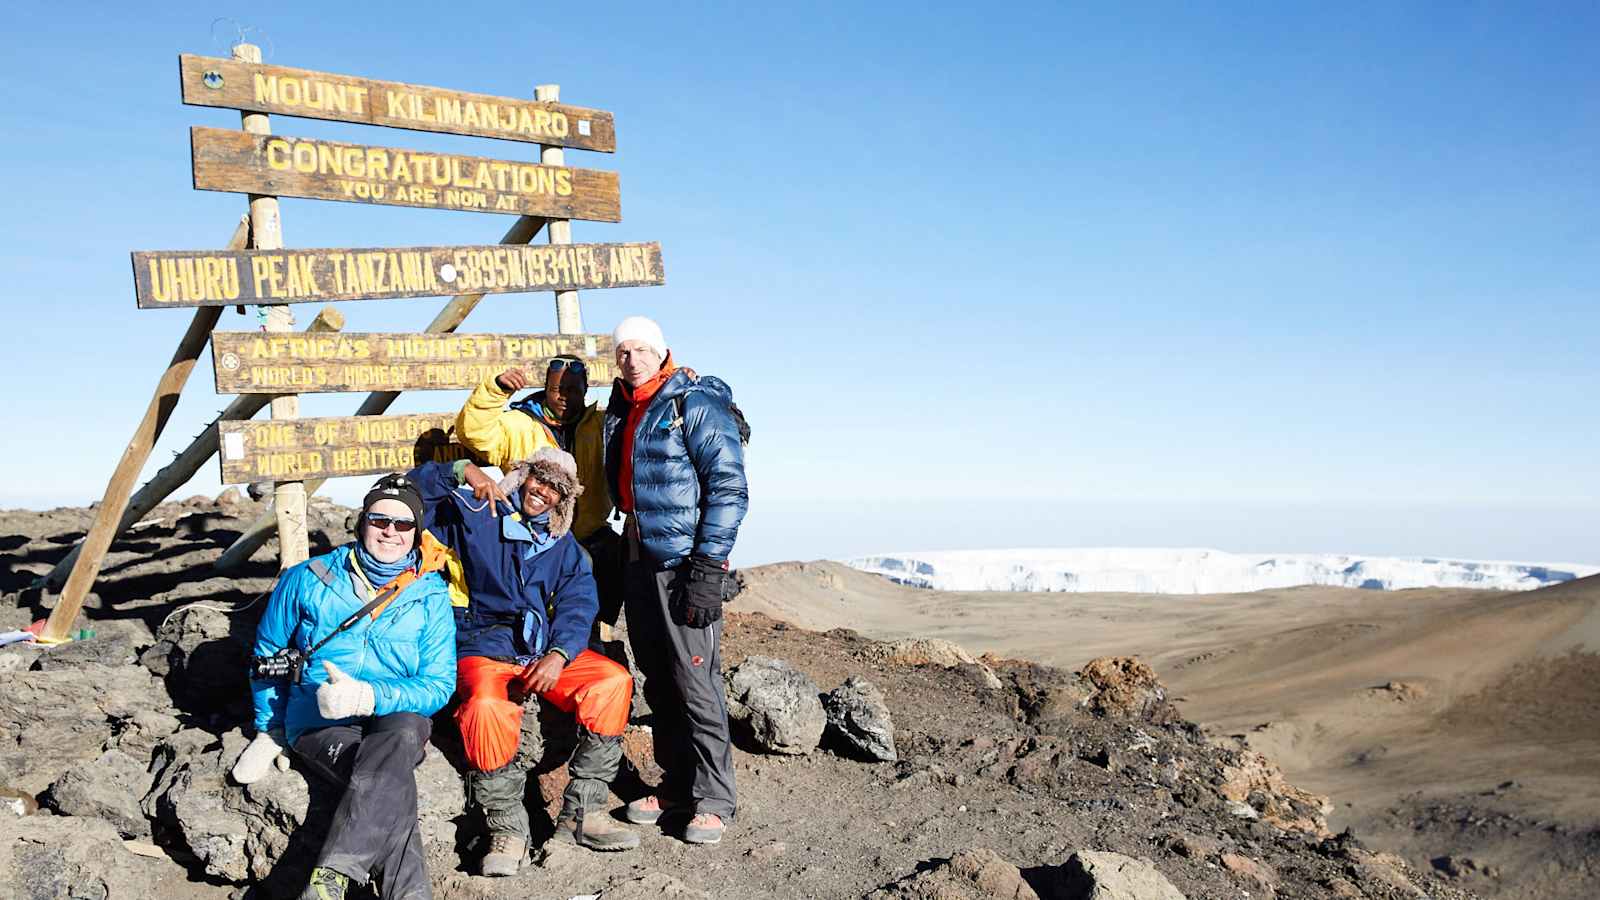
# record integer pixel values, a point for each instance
(1199, 571)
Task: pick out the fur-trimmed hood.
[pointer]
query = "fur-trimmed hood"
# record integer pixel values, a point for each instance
(556, 469)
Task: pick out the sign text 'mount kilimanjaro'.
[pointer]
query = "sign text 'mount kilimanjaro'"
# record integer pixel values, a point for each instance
(232, 84)
(297, 449)
(252, 362)
(166, 278)
(282, 166)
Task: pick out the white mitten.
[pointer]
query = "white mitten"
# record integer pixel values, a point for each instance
(343, 697)
(258, 758)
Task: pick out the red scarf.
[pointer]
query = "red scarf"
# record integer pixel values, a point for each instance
(640, 397)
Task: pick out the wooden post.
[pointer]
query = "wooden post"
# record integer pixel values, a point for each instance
(569, 315)
(448, 320)
(182, 468)
(108, 517)
(288, 497)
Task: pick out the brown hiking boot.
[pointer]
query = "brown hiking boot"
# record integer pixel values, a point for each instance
(594, 830)
(506, 852)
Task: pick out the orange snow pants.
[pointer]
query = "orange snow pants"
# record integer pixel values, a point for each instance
(594, 688)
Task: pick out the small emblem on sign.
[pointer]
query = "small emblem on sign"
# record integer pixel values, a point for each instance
(230, 361)
(447, 273)
(213, 80)
(233, 445)
(589, 348)
(583, 127)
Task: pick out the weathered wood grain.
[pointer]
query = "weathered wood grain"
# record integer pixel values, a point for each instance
(249, 362)
(176, 278)
(282, 166)
(334, 446)
(310, 94)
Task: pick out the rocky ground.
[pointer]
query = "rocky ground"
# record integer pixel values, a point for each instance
(866, 769)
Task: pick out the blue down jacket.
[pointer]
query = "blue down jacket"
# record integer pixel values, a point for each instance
(508, 606)
(689, 490)
(407, 653)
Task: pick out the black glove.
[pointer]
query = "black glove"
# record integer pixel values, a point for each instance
(700, 591)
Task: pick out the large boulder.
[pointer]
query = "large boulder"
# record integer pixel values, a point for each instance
(269, 831)
(1093, 875)
(108, 788)
(778, 703)
(114, 644)
(1126, 687)
(50, 858)
(859, 719)
(52, 720)
(968, 875)
(203, 655)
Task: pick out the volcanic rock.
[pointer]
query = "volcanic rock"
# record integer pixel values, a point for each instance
(778, 703)
(859, 719)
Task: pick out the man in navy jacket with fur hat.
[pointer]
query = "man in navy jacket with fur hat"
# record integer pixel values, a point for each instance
(524, 598)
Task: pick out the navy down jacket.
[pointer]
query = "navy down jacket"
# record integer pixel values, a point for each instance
(689, 490)
(508, 606)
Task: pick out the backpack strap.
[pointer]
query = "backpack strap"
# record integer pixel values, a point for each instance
(321, 570)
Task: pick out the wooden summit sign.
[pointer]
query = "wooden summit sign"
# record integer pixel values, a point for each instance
(249, 362)
(281, 166)
(172, 278)
(298, 449)
(347, 98)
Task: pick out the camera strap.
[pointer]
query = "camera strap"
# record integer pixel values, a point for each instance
(382, 598)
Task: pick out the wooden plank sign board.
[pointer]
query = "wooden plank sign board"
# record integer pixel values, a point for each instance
(298, 449)
(250, 362)
(231, 84)
(282, 166)
(223, 278)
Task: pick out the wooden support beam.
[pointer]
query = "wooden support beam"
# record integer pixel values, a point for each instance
(266, 228)
(569, 315)
(184, 466)
(108, 516)
(447, 321)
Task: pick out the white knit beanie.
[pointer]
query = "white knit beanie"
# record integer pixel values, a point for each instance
(639, 328)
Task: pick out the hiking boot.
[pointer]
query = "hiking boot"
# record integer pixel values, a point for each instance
(326, 884)
(646, 810)
(704, 828)
(506, 851)
(595, 830)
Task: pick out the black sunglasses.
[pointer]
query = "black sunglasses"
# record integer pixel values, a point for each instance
(381, 521)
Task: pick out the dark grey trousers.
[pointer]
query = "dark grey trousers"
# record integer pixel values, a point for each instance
(682, 669)
(374, 829)
(548, 735)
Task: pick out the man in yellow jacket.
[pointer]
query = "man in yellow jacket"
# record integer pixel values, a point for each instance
(553, 417)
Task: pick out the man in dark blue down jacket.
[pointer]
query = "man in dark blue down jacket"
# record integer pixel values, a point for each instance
(675, 466)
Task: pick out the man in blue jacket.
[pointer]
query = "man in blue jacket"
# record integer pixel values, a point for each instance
(675, 466)
(375, 619)
(525, 603)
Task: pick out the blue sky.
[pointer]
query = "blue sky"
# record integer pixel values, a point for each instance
(1315, 279)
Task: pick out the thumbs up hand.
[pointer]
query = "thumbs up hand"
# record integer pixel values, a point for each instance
(343, 697)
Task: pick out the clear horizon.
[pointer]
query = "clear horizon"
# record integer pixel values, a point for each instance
(1286, 280)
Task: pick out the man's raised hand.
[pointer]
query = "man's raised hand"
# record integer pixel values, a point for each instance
(512, 380)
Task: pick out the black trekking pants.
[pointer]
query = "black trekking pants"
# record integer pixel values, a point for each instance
(682, 669)
(374, 830)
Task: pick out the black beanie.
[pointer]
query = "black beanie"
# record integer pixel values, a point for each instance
(395, 487)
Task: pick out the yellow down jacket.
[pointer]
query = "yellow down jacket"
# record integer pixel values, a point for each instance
(503, 436)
